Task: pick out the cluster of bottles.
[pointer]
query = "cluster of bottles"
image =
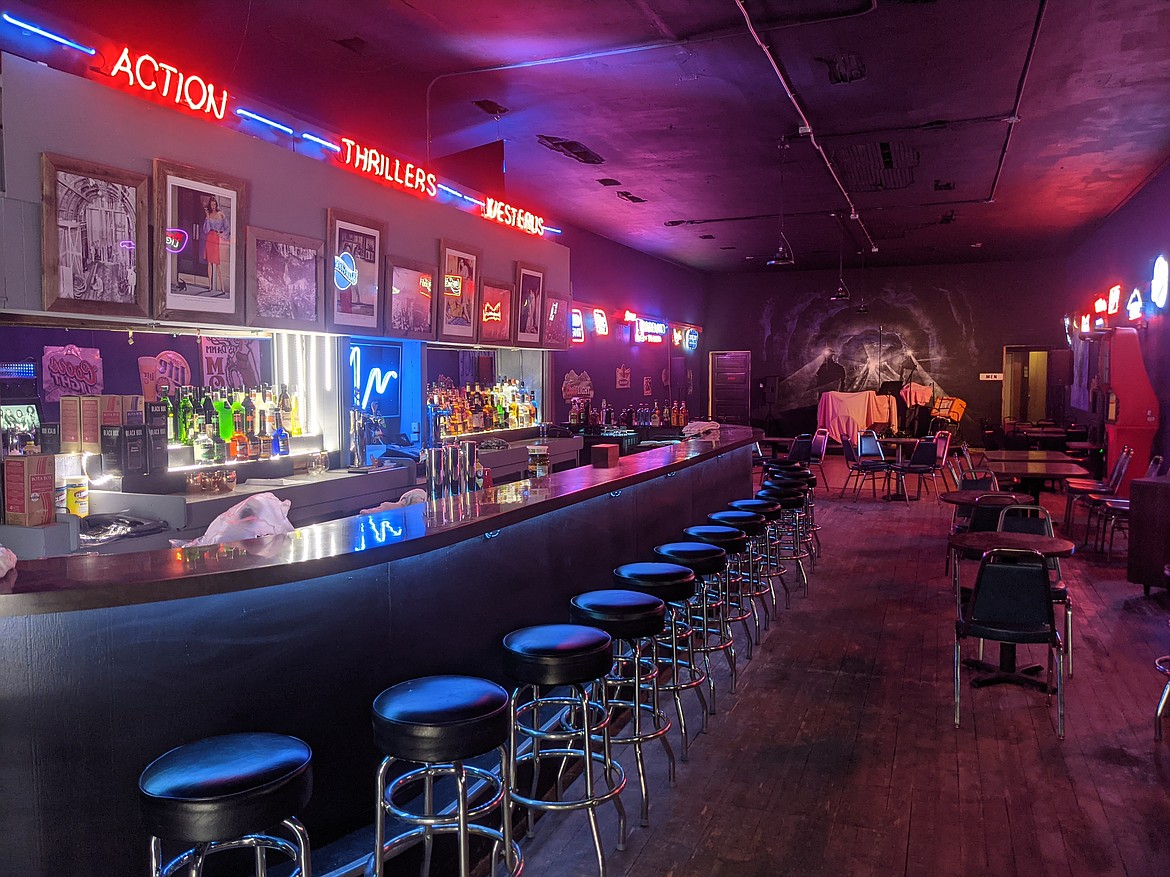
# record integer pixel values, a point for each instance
(221, 426)
(582, 413)
(507, 405)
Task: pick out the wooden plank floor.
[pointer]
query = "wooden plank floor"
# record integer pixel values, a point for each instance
(838, 755)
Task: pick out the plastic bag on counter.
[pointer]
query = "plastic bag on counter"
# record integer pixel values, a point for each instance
(698, 427)
(7, 561)
(259, 515)
(411, 497)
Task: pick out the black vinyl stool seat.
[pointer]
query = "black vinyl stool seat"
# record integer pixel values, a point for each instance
(223, 793)
(702, 559)
(674, 584)
(563, 726)
(634, 619)
(734, 604)
(437, 722)
(753, 585)
(792, 531)
(750, 523)
(769, 560)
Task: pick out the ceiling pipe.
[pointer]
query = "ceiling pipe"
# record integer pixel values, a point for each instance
(806, 125)
(1014, 118)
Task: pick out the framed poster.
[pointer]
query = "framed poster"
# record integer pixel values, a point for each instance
(198, 250)
(555, 332)
(95, 258)
(410, 306)
(530, 283)
(460, 266)
(496, 306)
(286, 280)
(355, 278)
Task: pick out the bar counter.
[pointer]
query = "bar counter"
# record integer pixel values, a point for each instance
(108, 661)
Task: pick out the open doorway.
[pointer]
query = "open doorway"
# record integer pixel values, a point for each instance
(1025, 384)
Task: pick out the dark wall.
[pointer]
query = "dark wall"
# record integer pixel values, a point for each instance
(1123, 251)
(939, 325)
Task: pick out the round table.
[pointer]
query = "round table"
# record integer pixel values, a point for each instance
(985, 540)
(968, 497)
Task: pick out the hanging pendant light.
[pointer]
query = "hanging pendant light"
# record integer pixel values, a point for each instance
(842, 292)
(783, 256)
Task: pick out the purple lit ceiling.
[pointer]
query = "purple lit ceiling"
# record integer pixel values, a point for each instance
(914, 104)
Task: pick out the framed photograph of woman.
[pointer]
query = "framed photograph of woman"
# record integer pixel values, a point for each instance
(555, 333)
(410, 306)
(355, 278)
(460, 287)
(95, 258)
(497, 303)
(199, 249)
(530, 284)
(286, 280)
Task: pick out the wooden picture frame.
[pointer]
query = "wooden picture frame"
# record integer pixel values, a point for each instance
(458, 291)
(529, 304)
(286, 280)
(555, 330)
(354, 278)
(413, 290)
(496, 314)
(199, 215)
(95, 233)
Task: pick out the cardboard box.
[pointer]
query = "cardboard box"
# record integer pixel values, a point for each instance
(50, 438)
(110, 411)
(156, 447)
(604, 456)
(70, 424)
(156, 413)
(133, 410)
(134, 451)
(28, 490)
(91, 424)
(113, 450)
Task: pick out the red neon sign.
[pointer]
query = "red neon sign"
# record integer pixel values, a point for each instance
(514, 217)
(167, 84)
(1100, 305)
(369, 162)
(1115, 299)
(1084, 322)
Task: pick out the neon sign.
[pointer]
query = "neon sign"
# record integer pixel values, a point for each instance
(491, 312)
(175, 240)
(162, 81)
(1099, 306)
(514, 217)
(630, 317)
(600, 322)
(1084, 322)
(1159, 282)
(577, 325)
(1133, 307)
(453, 285)
(691, 339)
(369, 162)
(652, 327)
(1114, 299)
(379, 380)
(345, 272)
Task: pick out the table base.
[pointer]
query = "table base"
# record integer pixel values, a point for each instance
(994, 675)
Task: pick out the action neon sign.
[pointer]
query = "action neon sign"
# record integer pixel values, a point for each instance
(167, 84)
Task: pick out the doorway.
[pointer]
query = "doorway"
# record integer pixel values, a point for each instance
(1025, 384)
(731, 372)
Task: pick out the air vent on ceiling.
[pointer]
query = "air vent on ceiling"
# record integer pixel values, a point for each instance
(706, 237)
(609, 181)
(944, 186)
(876, 167)
(947, 218)
(355, 44)
(631, 197)
(491, 107)
(572, 148)
(845, 67)
(727, 248)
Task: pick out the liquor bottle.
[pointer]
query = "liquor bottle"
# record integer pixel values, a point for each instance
(489, 412)
(684, 416)
(238, 445)
(476, 412)
(501, 412)
(223, 410)
(165, 394)
(186, 417)
(279, 437)
(219, 454)
(269, 410)
(655, 420)
(513, 414)
(574, 414)
(295, 427)
(263, 442)
(250, 428)
(210, 415)
(284, 403)
(674, 414)
(204, 447)
(603, 413)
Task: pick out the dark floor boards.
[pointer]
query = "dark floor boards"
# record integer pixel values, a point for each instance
(838, 755)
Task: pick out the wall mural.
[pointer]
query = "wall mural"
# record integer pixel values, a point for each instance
(898, 333)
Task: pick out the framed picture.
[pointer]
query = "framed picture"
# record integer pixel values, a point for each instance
(286, 280)
(496, 306)
(530, 283)
(355, 281)
(95, 258)
(198, 250)
(410, 306)
(460, 286)
(555, 333)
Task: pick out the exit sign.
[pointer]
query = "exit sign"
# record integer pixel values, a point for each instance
(991, 376)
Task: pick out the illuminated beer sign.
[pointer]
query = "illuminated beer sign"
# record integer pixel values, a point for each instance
(514, 217)
(163, 82)
(600, 322)
(1115, 299)
(1133, 307)
(691, 339)
(175, 240)
(577, 325)
(369, 162)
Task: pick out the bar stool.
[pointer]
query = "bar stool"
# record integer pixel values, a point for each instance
(675, 585)
(792, 542)
(437, 722)
(223, 793)
(633, 619)
(706, 561)
(579, 658)
(768, 562)
(805, 478)
(751, 586)
(732, 606)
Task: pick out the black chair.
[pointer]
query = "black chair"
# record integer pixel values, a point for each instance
(1076, 489)
(1011, 604)
(820, 446)
(923, 462)
(861, 468)
(224, 793)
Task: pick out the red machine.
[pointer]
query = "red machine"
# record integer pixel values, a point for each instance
(1130, 406)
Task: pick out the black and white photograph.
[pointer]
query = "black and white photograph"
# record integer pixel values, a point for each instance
(199, 249)
(94, 233)
(530, 282)
(411, 303)
(355, 279)
(285, 274)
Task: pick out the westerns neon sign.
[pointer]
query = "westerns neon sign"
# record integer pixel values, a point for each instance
(506, 214)
(159, 80)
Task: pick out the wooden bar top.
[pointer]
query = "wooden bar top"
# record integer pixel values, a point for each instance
(90, 581)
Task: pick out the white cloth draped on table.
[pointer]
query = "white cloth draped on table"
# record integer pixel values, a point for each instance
(916, 394)
(846, 414)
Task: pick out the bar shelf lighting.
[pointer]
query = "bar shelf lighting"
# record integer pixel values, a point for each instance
(47, 34)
